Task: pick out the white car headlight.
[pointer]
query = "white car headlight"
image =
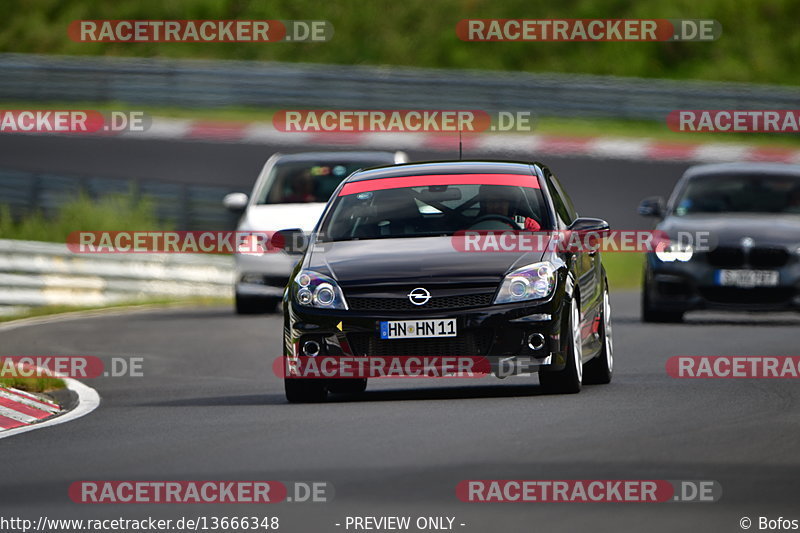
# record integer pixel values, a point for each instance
(312, 289)
(531, 282)
(673, 251)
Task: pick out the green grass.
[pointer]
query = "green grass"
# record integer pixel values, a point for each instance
(38, 384)
(624, 269)
(116, 212)
(759, 42)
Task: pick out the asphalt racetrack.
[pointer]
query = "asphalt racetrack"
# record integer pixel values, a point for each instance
(210, 408)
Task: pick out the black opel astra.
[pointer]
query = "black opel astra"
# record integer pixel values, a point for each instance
(386, 273)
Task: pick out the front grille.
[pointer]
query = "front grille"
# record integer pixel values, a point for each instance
(726, 257)
(739, 295)
(768, 257)
(760, 257)
(469, 343)
(461, 301)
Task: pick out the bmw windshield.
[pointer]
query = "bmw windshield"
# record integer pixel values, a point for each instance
(740, 194)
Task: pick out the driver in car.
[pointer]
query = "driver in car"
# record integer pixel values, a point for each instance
(498, 200)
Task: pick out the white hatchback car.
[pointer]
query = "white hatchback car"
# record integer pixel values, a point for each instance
(291, 191)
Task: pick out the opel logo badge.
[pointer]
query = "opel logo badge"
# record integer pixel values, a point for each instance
(748, 243)
(419, 296)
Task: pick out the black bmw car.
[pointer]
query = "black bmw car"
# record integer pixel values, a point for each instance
(747, 216)
(384, 254)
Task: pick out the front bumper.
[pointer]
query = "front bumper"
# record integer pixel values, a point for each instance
(497, 332)
(692, 285)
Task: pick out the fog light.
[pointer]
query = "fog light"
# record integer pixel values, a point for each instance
(535, 341)
(311, 348)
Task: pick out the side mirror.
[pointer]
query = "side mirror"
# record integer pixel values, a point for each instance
(652, 207)
(589, 224)
(291, 241)
(235, 201)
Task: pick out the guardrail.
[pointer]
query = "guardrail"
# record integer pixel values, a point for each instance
(199, 83)
(36, 274)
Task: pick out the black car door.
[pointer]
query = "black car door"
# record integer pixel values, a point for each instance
(588, 268)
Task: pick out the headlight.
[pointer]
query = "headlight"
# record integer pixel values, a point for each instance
(670, 252)
(312, 289)
(530, 282)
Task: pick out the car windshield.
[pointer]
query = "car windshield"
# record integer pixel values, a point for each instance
(740, 194)
(434, 210)
(307, 181)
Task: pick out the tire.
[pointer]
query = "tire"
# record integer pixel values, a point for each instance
(349, 386)
(299, 390)
(253, 306)
(599, 370)
(570, 378)
(651, 314)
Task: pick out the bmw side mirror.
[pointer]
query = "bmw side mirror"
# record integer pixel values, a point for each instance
(652, 207)
(235, 202)
(586, 224)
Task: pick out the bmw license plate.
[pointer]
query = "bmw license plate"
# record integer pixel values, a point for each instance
(418, 329)
(747, 278)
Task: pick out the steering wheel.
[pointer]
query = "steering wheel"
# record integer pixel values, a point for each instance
(499, 218)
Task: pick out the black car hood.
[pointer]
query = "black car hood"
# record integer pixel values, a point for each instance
(376, 261)
(731, 228)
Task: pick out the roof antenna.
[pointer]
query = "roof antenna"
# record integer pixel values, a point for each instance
(459, 143)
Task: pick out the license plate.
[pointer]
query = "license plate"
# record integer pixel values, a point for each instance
(747, 278)
(418, 329)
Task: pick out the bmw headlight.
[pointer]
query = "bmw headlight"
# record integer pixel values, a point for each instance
(670, 252)
(312, 289)
(530, 282)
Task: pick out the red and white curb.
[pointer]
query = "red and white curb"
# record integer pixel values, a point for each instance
(14, 410)
(19, 408)
(21, 412)
(527, 146)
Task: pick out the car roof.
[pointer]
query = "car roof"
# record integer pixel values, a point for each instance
(444, 167)
(379, 156)
(771, 169)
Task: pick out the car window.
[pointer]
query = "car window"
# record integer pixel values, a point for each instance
(561, 202)
(740, 194)
(304, 182)
(434, 210)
